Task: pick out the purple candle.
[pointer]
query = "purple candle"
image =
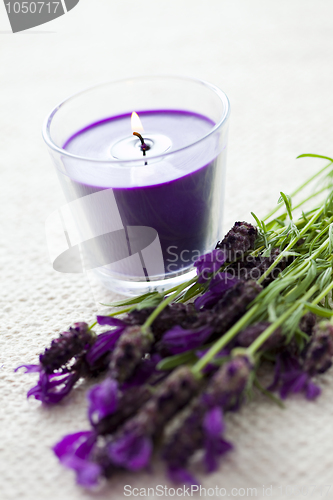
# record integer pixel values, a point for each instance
(161, 189)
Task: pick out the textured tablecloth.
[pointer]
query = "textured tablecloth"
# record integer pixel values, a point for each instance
(274, 61)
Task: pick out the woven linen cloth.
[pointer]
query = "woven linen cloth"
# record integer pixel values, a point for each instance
(274, 61)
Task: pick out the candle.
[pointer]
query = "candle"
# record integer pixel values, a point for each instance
(162, 189)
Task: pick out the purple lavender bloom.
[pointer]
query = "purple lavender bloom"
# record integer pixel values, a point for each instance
(111, 321)
(51, 389)
(240, 239)
(203, 426)
(178, 340)
(298, 381)
(62, 364)
(110, 404)
(293, 374)
(69, 345)
(247, 336)
(102, 400)
(74, 354)
(290, 378)
(209, 264)
(132, 447)
(145, 372)
(104, 344)
(233, 304)
(252, 268)
(131, 451)
(106, 341)
(129, 403)
(319, 352)
(218, 285)
(74, 452)
(129, 350)
(215, 445)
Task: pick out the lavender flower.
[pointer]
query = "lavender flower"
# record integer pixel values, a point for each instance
(240, 239)
(103, 347)
(218, 285)
(232, 306)
(209, 264)
(247, 336)
(203, 426)
(102, 399)
(67, 346)
(228, 384)
(131, 448)
(178, 340)
(129, 350)
(108, 408)
(74, 354)
(319, 352)
(110, 404)
(307, 323)
(176, 314)
(252, 268)
(293, 374)
(236, 243)
(290, 378)
(74, 452)
(214, 444)
(128, 404)
(51, 389)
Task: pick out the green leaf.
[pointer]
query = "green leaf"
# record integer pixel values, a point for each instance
(330, 235)
(193, 291)
(325, 279)
(271, 312)
(320, 311)
(291, 254)
(257, 220)
(152, 301)
(287, 201)
(290, 326)
(308, 155)
(304, 284)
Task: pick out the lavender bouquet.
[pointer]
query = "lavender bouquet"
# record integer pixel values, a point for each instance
(176, 362)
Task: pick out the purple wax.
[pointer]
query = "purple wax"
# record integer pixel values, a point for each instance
(178, 195)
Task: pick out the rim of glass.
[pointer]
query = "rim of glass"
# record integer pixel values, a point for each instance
(48, 121)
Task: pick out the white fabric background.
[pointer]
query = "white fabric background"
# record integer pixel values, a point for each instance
(274, 61)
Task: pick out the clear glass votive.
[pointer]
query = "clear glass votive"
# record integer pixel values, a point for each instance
(140, 208)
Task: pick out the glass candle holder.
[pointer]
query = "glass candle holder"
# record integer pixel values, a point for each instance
(141, 208)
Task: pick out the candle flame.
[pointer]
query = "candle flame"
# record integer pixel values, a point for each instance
(136, 123)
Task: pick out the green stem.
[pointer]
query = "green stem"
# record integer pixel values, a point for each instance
(323, 294)
(268, 332)
(165, 302)
(224, 340)
(291, 244)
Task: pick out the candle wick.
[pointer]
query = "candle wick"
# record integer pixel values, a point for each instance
(144, 146)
